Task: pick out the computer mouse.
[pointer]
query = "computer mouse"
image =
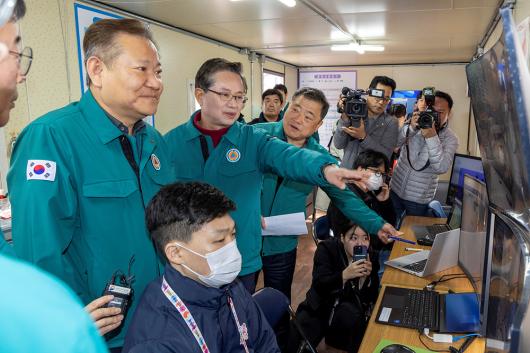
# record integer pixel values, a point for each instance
(396, 348)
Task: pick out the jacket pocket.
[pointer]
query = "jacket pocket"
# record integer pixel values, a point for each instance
(111, 188)
(233, 169)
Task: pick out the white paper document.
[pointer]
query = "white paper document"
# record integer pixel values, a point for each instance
(285, 224)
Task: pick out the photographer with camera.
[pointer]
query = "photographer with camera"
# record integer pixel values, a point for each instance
(428, 148)
(364, 124)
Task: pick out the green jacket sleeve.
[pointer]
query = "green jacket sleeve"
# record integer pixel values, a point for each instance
(44, 211)
(298, 164)
(355, 209)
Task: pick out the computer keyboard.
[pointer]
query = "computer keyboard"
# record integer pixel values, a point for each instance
(421, 309)
(437, 228)
(416, 266)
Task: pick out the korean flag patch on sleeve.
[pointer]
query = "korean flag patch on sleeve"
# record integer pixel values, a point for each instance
(39, 169)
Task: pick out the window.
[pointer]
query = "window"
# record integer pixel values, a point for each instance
(271, 78)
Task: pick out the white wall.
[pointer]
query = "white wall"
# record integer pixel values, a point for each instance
(49, 28)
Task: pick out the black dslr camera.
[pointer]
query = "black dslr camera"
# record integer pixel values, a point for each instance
(355, 106)
(430, 115)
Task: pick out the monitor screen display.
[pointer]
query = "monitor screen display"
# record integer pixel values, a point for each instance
(506, 280)
(499, 86)
(463, 165)
(405, 97)
(472, 248)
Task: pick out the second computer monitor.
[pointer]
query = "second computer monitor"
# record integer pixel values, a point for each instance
(473, 229)
(463, 165)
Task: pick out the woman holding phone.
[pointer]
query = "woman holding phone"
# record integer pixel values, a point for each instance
(343, 290)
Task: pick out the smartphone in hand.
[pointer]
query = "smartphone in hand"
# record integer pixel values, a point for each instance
(359, 253)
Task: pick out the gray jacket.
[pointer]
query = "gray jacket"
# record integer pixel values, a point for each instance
(420, 186)
(381, 135)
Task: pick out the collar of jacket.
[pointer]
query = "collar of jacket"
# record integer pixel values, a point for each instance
(190, 132)
(97, 118)
(278, 131)
(195, 293)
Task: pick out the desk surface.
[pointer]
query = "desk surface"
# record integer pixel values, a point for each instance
(393, 277)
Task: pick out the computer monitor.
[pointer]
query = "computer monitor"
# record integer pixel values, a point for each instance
(406, 97)
(472, 247)
(499, 86)
(505, 281)
(463, 165)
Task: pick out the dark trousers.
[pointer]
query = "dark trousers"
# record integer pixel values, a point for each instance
(345, 332)
(249, 281)
(409, 208)
(278, 271)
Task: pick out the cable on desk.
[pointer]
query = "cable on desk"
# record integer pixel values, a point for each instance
(444, 278)
(432, 349)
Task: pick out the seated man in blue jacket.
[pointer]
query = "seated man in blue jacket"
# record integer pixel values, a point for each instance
(197, 305)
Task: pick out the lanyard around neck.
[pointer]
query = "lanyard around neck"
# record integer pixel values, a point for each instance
(192, 325)
(185, 313)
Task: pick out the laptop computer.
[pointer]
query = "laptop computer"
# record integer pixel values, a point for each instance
(425, 235)
(419, 309)
(443, 255)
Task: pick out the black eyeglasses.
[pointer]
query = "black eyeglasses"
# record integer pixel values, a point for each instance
(227, 97)
(25, 57)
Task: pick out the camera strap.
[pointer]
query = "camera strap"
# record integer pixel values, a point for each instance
(408, 154)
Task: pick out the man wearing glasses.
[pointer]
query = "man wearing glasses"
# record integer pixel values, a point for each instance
(14, 66)
(379, 132)
(213, 148)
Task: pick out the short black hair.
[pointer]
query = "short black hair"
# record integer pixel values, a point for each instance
(384, 80)
(204, 76)
(281, 87)
(314, 95)
(272, 92)
(446, 96)
(19, 11)
(180, 209)
(371, 159)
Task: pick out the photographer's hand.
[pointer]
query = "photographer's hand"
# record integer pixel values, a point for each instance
(340, 106)
(356, 132)
(430, 132)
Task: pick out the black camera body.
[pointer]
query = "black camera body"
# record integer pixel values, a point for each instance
(430, 115)
(355, 107)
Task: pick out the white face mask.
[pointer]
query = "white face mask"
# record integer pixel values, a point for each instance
(224, 263)
(374, 182)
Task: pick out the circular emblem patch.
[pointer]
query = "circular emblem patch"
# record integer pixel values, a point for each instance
(155, 161)
(233, 155)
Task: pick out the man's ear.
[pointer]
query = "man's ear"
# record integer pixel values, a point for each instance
(173, 254)
(94, 68)
(199, 95)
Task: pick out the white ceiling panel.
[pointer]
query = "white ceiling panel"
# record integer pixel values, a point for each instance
(412, 31)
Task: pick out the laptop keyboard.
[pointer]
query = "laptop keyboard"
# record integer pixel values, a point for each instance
(437, 228)
(420, 310)
(416, 266)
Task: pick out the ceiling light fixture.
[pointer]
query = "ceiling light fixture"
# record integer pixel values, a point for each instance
(359, 48)
(289, 3)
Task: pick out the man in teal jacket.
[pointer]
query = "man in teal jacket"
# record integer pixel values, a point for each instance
(280, 196)
(212, 147)
(81, 176)
(13, 70)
